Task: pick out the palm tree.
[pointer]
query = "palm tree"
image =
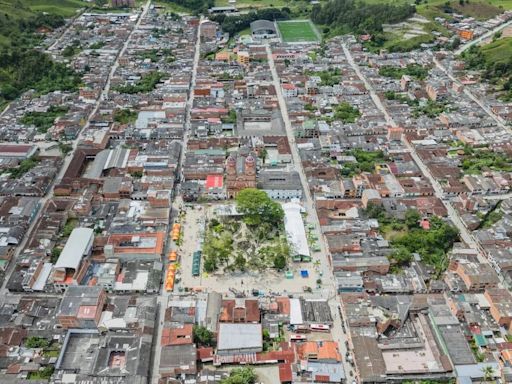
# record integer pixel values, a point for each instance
(488, 373)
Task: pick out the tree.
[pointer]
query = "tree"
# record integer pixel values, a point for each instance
(488, 372)
(36, 342)
(401, 256)
(412, 218)
(202, 336)
(263, 154)
(240, 376)
(55, 254)
(279, 262)
(258, 208)
(239, 262)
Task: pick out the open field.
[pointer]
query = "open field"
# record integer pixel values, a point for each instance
(499, 51)
(66, 8)
(297, 31)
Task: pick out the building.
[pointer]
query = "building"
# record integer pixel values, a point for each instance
(208, 30)
(214, 187)
(476, 276)
(263, 29)
(465, 34)
(280, 185)
(241, 338)
(500, 301)
(240, 173)
(395, 133)
(17, 151)
(81, 307)
(289, 90)
(79, 244)
(243, 57)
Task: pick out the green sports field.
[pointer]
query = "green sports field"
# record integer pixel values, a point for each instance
(296, 31)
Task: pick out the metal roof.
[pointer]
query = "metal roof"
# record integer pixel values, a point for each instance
(239, 336)
(263, 25)
(78, 244)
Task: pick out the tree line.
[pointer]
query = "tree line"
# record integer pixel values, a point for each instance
(349, 16)
(22, 67)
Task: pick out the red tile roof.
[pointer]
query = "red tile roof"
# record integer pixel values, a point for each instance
(285, 373)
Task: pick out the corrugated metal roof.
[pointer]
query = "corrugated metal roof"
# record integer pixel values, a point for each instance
(77, 245)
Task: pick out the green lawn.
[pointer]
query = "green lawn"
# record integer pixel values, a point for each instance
(66, 8)
(297, 31)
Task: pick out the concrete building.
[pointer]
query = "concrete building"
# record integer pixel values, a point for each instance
(81, 307)
(280, 185)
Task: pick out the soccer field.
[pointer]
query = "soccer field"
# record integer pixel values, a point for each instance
(295, 31)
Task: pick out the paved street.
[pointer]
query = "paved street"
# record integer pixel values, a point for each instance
(309, 205)
(163, 297)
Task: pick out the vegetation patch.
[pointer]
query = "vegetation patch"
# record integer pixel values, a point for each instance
(195, 6)
(432, 245)
(476, 161)
(329, 77)
(256, 242)
(414, 70)
(244, 375)
(36, 342)
(124, 116)
(346, 113)
(494, 60)
(481, 10)
(43, 374)
(365, 162)
(430, 109)
(21, 70)
(72, 49)
(146, 84)
(21, 66)
(349, 16)
(43, 120)
(24, 166)
(491, 217)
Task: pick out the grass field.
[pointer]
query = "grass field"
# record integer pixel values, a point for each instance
(499, 51)
(64, 8)
(295, 31)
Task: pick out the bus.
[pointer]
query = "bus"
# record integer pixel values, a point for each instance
(301, 329)
(320, 328)
(297, 337)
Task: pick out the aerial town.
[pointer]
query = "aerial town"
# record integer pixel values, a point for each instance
(273, 201)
